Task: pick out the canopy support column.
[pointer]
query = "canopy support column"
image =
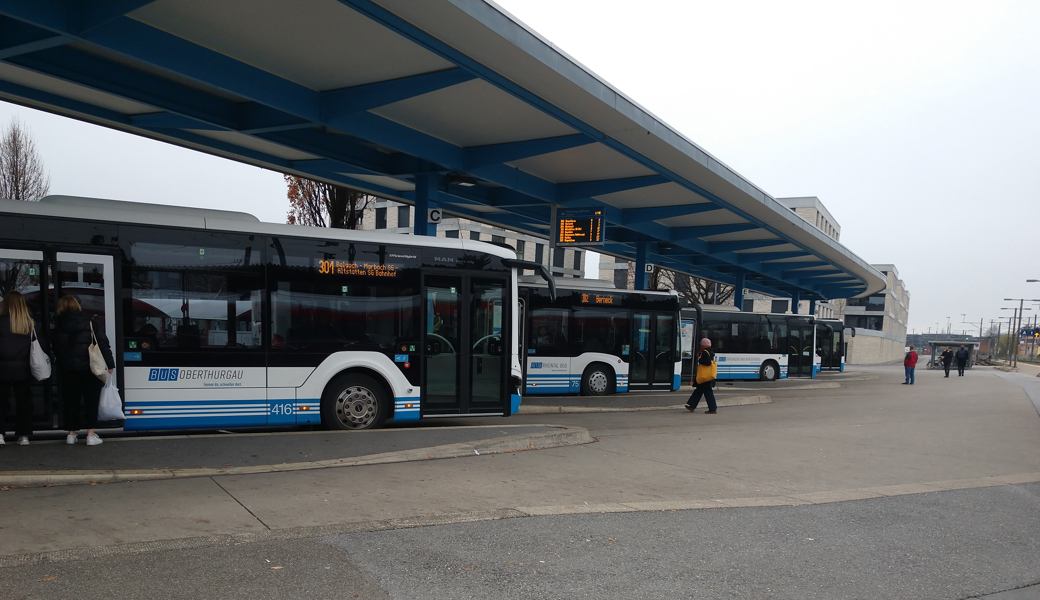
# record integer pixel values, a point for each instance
(641, 252)
(425, 199)
(796, 299)
(738, 291)
(812, 308)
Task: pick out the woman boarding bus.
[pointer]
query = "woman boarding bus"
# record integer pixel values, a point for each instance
(219, 320)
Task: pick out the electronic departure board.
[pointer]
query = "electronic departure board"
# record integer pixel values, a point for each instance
(579, 227)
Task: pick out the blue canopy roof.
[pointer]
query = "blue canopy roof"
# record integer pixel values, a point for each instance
(379, 95)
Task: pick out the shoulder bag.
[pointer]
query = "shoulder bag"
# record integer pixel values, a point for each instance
(98, 366)
(39, 361)
(706, 373)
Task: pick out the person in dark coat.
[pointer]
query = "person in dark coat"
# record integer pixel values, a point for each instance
(16, 334)
(80, 389)
(962, 360)
(947, 358)
(704, 358)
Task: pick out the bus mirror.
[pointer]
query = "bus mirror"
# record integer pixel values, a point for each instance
(853, 330)
(540, 269)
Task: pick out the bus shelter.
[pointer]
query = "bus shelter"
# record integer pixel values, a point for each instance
(453, 106)
(937, 347)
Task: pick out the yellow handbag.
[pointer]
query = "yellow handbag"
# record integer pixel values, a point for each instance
(706, 373)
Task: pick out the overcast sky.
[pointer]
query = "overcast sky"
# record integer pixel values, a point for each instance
(916, 123)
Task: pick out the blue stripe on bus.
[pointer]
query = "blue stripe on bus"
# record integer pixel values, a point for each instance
(549, 389)
(403, 412)
(568, 383)
(676, 382)
(514, 403)
(137, 423)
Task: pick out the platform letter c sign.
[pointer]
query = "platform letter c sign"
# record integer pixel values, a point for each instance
(433, 215)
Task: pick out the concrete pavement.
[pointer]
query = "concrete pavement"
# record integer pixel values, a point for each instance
(867, 439)
(140, 458)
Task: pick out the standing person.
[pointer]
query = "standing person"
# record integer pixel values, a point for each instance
(16, 334)
(80, 389)
(908, 365)
(947, 358)
(962, 360)
(704, 358)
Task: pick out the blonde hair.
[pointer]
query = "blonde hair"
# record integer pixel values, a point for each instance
(14, 305)
(67, 303)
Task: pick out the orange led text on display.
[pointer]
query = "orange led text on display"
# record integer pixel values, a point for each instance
(338, 267)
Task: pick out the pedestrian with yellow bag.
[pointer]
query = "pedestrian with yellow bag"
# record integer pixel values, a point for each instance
(707, 371)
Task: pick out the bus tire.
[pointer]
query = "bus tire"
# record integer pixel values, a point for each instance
(354, 401)
(597, 380)
(770, 371)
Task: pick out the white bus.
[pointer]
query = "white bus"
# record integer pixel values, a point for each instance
(218, 320)
(599, 340)
(756, 345)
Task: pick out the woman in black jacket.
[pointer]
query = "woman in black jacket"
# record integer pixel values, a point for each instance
(80, 389)
(704, 358)
(16, 329)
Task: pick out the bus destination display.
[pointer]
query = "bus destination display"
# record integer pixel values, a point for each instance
(579, 227)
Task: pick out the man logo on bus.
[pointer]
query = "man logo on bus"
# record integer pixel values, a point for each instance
(163, 374)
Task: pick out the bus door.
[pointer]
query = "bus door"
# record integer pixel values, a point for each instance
(465, 362)
(653, 351)
(24, 271)
(90, 278)
(800, 349)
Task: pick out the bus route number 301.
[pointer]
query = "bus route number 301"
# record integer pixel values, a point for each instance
(282, 409)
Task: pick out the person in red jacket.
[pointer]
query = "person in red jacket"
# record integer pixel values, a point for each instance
(908, 365)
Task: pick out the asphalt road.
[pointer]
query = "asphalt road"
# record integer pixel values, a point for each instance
(942, 546)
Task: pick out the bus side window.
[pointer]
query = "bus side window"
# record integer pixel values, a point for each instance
(549, 332)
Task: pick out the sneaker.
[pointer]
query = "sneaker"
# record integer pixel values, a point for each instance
(93, 440)
(710, 412)
(70, 438)
(23, 441)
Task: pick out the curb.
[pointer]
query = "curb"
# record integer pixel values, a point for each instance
(558, 437)
(555, 410)
(811, 386)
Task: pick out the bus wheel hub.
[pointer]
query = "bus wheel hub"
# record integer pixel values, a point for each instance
(598, 382)
(356, 406)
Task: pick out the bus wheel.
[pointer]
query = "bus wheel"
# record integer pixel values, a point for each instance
(770, 371)
(596, 381)
(354, 401)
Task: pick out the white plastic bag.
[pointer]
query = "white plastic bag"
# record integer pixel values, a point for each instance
(111, 406)
(39, 362)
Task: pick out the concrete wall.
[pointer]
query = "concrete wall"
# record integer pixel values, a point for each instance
(873, 347)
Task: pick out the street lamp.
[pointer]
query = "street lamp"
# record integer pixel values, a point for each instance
(1021, 302)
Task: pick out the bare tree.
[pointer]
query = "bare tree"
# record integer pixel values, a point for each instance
(324, 205)
(695, 290)
(22, 176)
